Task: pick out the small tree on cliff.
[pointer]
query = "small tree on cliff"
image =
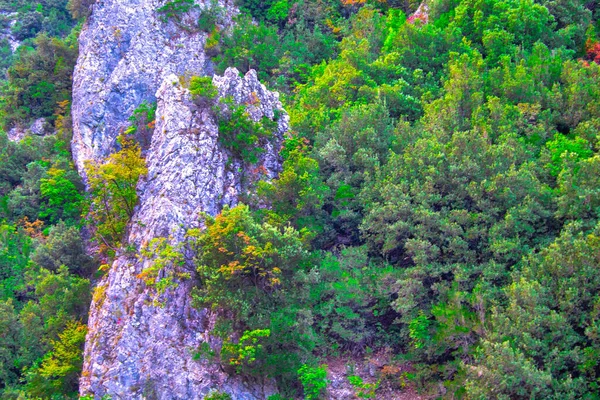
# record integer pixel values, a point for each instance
(113, 193)
(80, 8)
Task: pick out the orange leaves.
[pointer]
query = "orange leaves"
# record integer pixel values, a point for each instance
(353, 2)
(32, 229)
(244, 237)
(593, 51)
(335, 29)
(240, 258)
(241, 250)
(231, 269)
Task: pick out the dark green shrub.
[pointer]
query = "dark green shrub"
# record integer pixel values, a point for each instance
(210, 17)
(202, 89)
(175, 10)
(142, 124)
(240, 134)
(217, 395)
(40, 78)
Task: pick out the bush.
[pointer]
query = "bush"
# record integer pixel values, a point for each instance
(176, 10)
(58, 373)
(61, 192)
(243, 354)
(240, 134)
(142, 125)
(217, 395)
(202, 89)
(210, 17)
(363, 390)
(63, 246)
(39, 79)
(113, 195)
(314, 381)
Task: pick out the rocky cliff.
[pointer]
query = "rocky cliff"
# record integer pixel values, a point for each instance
(126, 51)
(141, 344)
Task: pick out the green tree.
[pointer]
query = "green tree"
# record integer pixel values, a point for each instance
(113, 195)
(39, 79)
(61, 192)
(59, 370)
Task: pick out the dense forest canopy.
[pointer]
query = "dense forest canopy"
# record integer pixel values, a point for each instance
(439, 200)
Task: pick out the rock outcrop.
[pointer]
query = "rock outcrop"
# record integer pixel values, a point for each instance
(6, 33)
(39, 127)
(126, 50)
(141, 344)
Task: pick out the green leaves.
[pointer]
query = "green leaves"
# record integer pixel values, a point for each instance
(39, 79)
(419, 330)
(113, 193)
(314, 381)
(59, 370)
(243, 354)
(237, 253)
(63, 199)
(176, 9)
(240, 134)
(202, 86)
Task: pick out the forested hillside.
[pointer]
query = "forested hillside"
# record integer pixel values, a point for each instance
(435, 220)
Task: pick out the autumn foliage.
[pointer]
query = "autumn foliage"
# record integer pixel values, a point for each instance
(113, 193)
(235, 252)
(592, 49)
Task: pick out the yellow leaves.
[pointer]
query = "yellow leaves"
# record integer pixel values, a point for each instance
(113, 192)
(99, 294)
(336, 30)
(246, 350)
(161, 257)
(231, 269)
(32, 229)
(275, 281)
(237, 254)
(104, 268)
(251, 251)
(66, 356)
(244, 237)
(353, 2)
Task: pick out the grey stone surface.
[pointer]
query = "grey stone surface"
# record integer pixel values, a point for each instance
(141, 344)
(16, 133)
(6, 32)
(39, 127)
(126, 51)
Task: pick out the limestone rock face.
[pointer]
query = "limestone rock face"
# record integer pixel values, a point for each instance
(140, 344)
(188, 171)
(6, 31)
(126, 50)
(39, 127)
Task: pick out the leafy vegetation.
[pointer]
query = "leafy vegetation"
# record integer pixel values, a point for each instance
(313, 381)
(39, 80)
(438, 199)
(442, 176)
(238, 131)
(112, 189)
(44, 269)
